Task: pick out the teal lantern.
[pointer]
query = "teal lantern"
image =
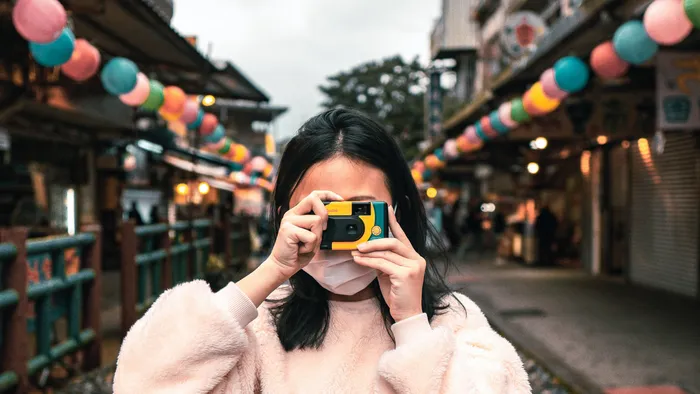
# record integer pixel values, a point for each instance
(235, 167)
(254, 179)
(197, 122)
(480, 132)
(571, 74)
(427, 174)
(119, 76)
(497, 124)
(215, 136)
(633, 44)
(56, 52)
(439, 154)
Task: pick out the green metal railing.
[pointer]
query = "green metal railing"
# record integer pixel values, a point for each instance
(73, 296)
(156, 257)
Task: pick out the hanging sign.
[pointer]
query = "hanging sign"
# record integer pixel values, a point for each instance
(678, 90)
(434, 106)
(522, 32)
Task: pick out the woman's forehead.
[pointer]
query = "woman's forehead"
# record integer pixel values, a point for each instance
(353, 180)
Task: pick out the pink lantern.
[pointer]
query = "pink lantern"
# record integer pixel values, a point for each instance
(139, 93)
(419, 166)
(450, 149)
(488, 129)
(504, 115)
(215, 147)
(470, 133)
(40, 21)
(606, 63)
(209, 123)
(549, 85)
(666, 22)
(258, 164)
(84, 61)
(189, 113)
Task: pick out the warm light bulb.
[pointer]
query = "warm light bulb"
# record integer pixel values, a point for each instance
(203, 188)
(541, 142)
(431, 192)
(182, 189)
(533, 168)
(601, 139)
(208, 100)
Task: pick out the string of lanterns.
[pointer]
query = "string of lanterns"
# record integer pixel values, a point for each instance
(44, 24)
(665, 22)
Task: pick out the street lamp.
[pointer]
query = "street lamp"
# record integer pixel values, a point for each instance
(208, 100)
(533, 168)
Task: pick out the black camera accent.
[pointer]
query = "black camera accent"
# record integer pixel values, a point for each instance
(361, 208)
(342, 229)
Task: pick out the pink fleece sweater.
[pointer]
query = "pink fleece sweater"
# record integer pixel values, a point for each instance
(195, 341)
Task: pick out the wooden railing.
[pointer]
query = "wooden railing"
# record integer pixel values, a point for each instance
(32, 305)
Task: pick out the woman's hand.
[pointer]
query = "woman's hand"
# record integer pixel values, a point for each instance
(400, 270)
(300, 232)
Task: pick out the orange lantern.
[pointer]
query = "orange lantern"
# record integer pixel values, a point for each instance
(433, 162)
(174, 100)
(417, 176)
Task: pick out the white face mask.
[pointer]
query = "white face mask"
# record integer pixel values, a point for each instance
(337, 272)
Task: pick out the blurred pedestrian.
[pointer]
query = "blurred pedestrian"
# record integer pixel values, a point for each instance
(135, 215)
(154, 215)
(362, 321)
(473, 229)
(546, 230)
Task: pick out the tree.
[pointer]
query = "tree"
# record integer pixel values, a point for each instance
(390, 90)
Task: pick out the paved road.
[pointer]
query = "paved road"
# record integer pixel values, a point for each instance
(612, 334)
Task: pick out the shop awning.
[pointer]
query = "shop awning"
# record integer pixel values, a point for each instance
(254, 111)
(197, 168)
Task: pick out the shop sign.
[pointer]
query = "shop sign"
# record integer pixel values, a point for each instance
(678, 90)
(434, 106)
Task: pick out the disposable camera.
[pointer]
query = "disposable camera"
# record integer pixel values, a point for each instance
(351, 223)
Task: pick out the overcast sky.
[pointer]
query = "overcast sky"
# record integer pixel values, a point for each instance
(288, 47)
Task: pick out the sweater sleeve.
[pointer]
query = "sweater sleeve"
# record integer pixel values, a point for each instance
(464, 357)
(190, 341)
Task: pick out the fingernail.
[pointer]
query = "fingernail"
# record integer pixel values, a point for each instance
(355, 253)
(361, 246)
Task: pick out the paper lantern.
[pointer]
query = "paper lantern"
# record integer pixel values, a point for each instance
(216, 135)
(209, 123)
(139, 94)
(605, 62)
(190, 112)
(226, 148)
(633, 44)
(433, 162)
(155, 96)
(550, 87)
(258, 163)
(450, 149)
(56, 52)
(540, 100)
(666, 22)
(486, 127)
(470, 133)
(463, 143)
(267, 172)
(439, 154)
(83, 63)
(240, 177)
(168, 115)
(480, 132)
(216, 146)
(692, 11)
(427, 174)
(497, 124)
(417, 176)
(419, 166)
(248, 168)
(174, 100)
(197, 122)
(39, 21)
(530, 106)
(505, 117)
(571, 74)
(238, 153)
(517, 111)
(119, 76)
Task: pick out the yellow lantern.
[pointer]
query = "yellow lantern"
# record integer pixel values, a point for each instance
(267, 171)
(541, 101)
(417, 176)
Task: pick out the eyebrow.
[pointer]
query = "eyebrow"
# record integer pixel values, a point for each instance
(361, 198)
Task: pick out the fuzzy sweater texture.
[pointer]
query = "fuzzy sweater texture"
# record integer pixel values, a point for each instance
(195, 341)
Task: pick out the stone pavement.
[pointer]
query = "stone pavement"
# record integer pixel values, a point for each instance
(599, 335)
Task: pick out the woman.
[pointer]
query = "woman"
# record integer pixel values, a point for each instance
(379, 319)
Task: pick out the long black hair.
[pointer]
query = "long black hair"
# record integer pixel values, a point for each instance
(302, 318)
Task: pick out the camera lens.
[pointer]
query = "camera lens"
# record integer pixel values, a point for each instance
(351, 229)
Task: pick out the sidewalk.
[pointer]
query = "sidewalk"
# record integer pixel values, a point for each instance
(598, 335)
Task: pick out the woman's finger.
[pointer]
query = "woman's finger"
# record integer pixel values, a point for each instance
(307, 239)
(388, 256)
(309, 222)
(392, 244)
(379, 264)
(396, 229)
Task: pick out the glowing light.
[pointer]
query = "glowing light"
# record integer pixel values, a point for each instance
(601, 140)
(203, 188)
(208, 100)
(586, 163)
(431, 192)
(625, 144)
(533, 168)
(541, 142)
(182, 189)
(70, 211)
(488, 207)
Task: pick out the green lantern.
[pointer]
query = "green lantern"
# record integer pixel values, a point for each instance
(227, 147)
(517, 111)
(155, 96)
(692, 10)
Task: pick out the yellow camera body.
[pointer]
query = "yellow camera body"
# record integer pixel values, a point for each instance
(351, 223)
